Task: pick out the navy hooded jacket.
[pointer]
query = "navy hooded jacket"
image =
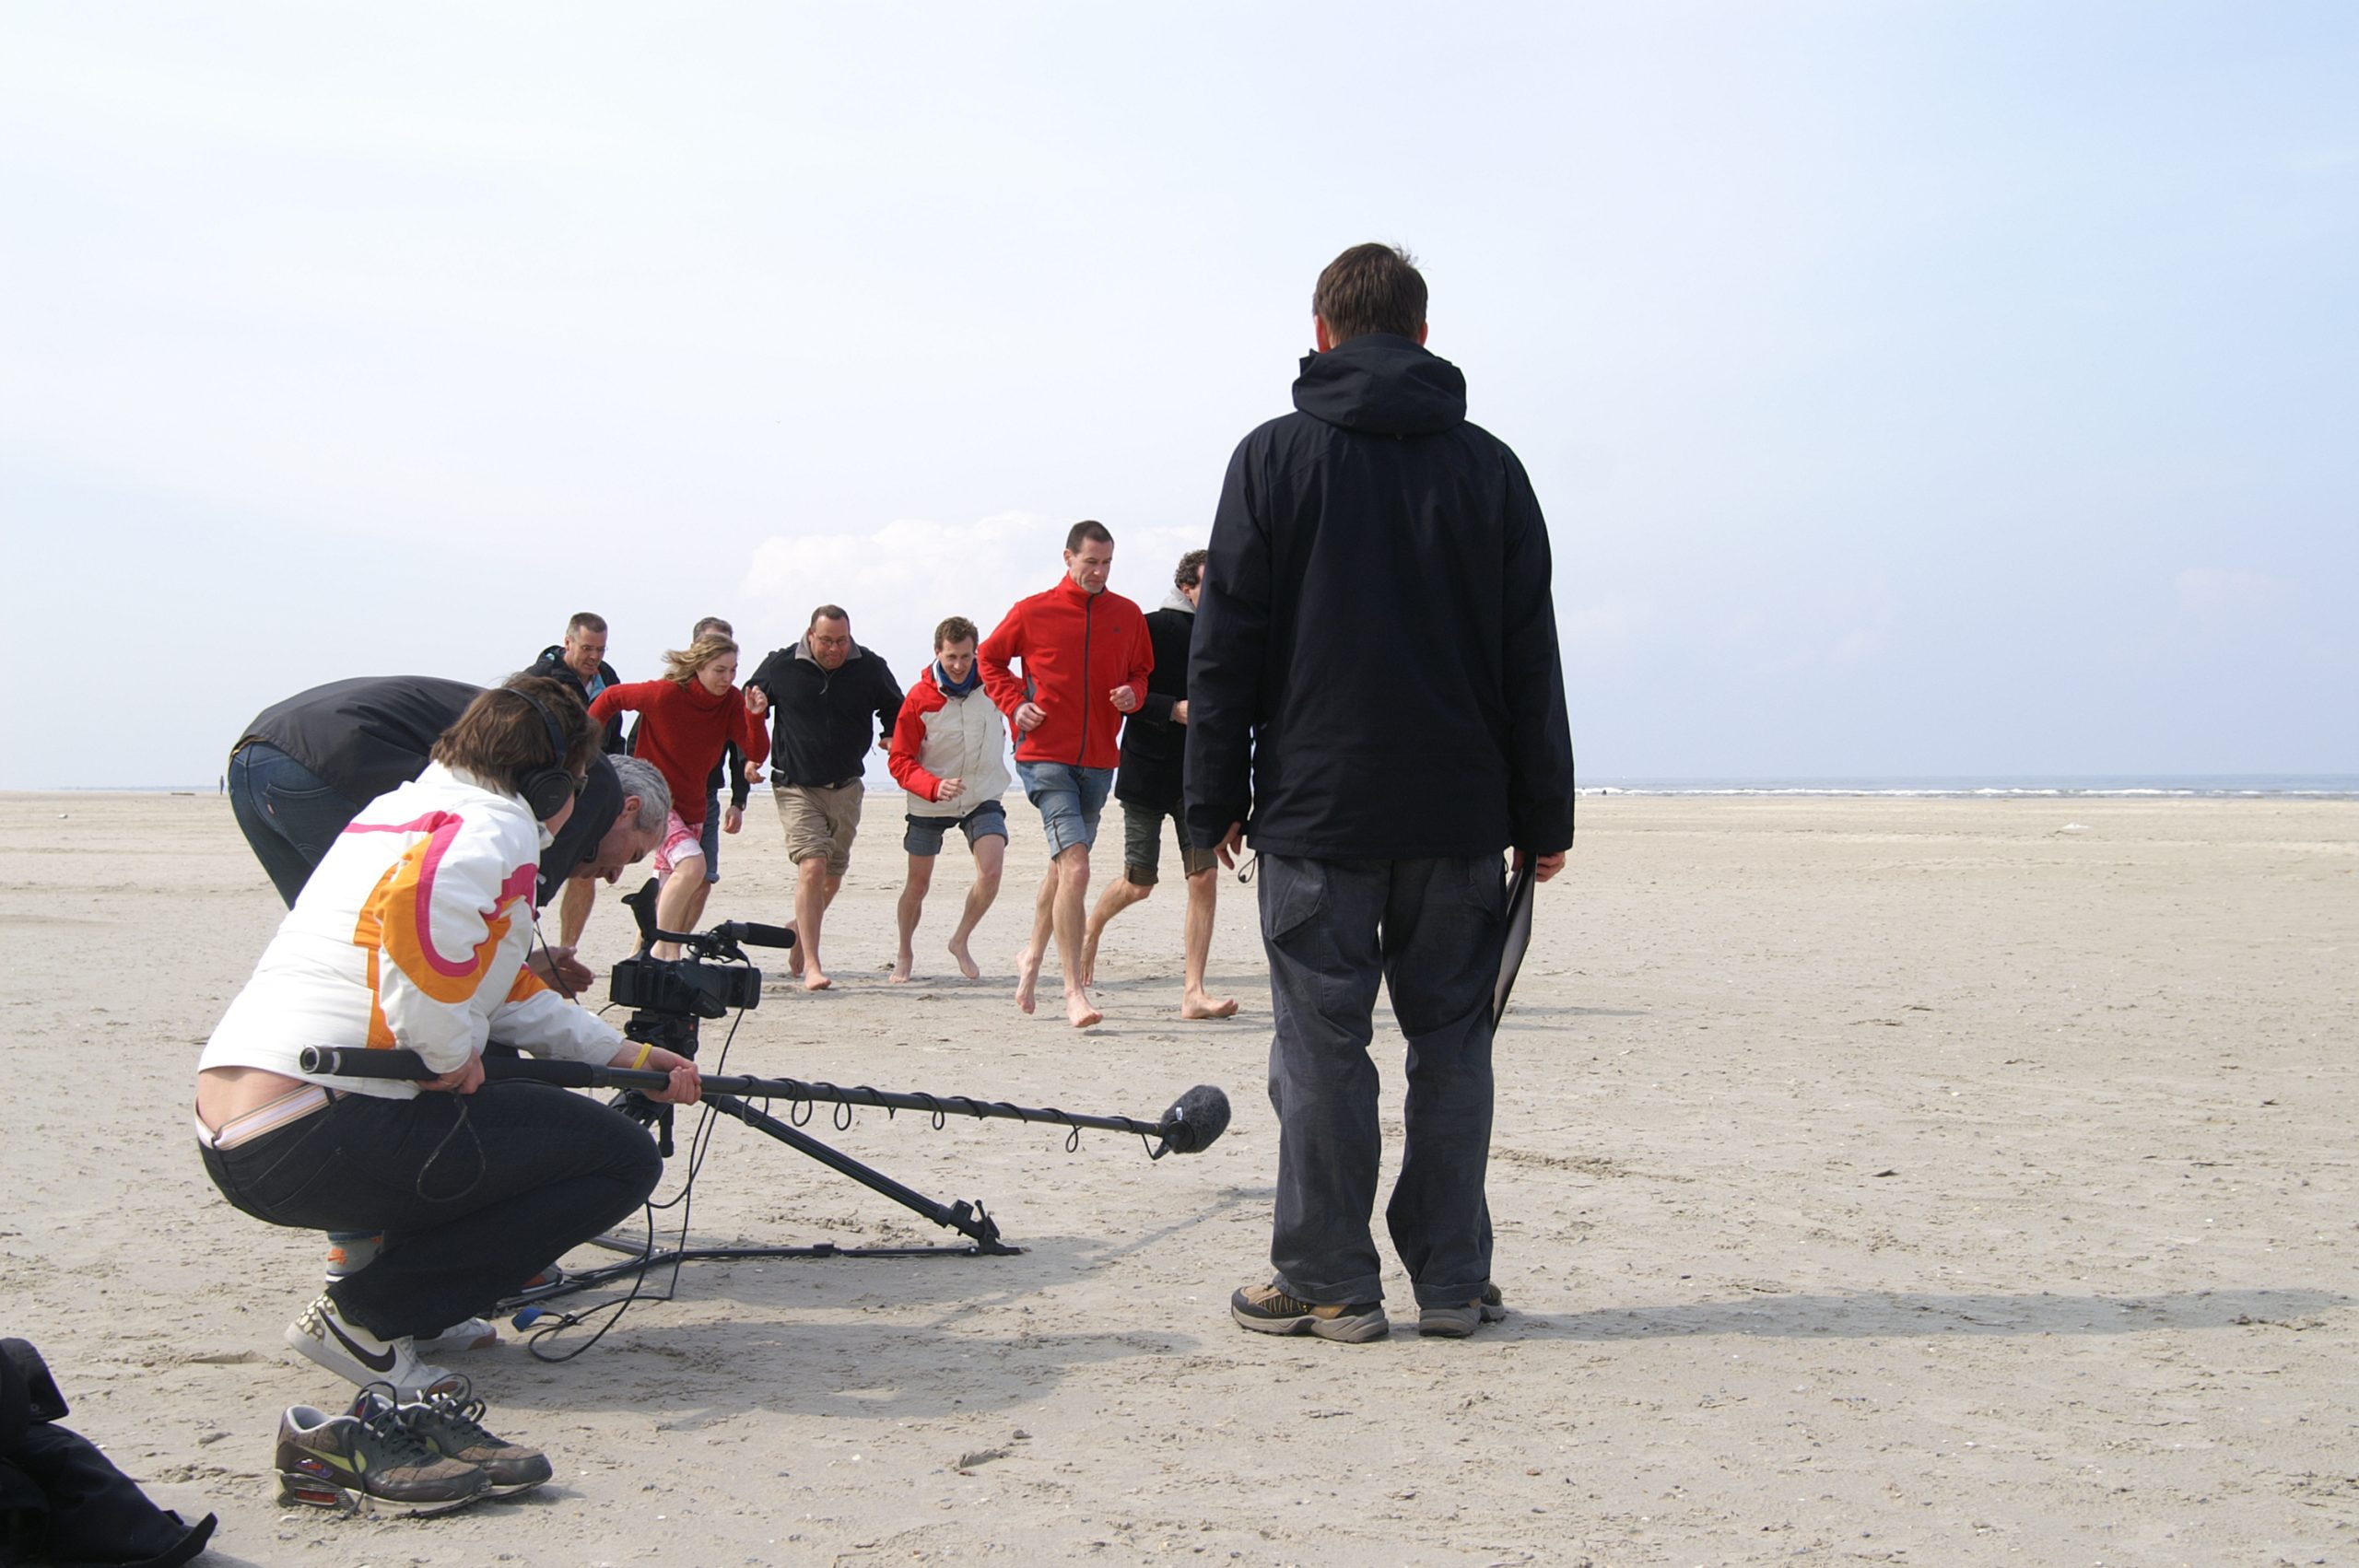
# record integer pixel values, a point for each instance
(1374, 672)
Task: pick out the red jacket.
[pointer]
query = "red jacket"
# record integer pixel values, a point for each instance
(1076, 647)
(683, 731)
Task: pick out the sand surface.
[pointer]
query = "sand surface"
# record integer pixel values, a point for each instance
(1932, 1182)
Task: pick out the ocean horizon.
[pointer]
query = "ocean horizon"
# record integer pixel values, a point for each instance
(2102, 786)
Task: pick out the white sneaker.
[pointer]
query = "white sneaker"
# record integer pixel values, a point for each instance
(360, 1357)
(475, 1334)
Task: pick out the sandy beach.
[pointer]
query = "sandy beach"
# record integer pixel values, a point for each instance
(1931, 1181)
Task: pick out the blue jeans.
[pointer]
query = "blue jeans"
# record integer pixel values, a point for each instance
(710, 837)
(1431, 929)
(288, 814)
(1070, 798)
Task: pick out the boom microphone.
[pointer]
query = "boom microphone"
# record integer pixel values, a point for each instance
(757, 934)
(1193, 1121)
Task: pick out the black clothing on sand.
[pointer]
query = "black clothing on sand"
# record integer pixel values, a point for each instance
(552, 664)
(1153, 742)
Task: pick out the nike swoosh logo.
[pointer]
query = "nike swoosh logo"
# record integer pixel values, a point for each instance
(384, 1363)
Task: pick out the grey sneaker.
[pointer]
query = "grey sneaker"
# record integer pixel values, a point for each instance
(367, 1458)
(358, 1356)
(1268, 1310)
(449, 1420)
(1458, 1322)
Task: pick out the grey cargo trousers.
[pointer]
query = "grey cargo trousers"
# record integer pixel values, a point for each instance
(1431, 929)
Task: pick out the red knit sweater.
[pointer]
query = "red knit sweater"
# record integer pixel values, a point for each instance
(683, 730)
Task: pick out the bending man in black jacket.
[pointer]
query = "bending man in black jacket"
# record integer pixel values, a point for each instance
(1149, 788)
(1376, 697)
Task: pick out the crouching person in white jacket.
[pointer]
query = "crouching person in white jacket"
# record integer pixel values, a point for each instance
(412, 933)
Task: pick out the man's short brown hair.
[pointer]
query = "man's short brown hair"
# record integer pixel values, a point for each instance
(828, 613)
(584, 621)
(1085, 530)
(501, 739)
(712, 624)
(1192, 569)
(1370, 289)
(957, 629)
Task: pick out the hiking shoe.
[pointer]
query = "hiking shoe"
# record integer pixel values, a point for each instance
(1457, 1322)
(1267, 1310)
(451, 1420)
(358, 1356)
(367, 1458)
(351, 1254)
(475, 1334)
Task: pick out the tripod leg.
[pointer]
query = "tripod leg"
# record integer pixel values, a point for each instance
(968, 1220)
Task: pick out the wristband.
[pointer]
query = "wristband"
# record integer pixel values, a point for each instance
(644, 1052)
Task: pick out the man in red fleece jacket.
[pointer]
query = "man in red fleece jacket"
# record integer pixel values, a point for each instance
(1087, 657)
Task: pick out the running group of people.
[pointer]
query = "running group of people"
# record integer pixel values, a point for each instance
(1362, 675)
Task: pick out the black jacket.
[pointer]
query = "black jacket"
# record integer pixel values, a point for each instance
(372, 734)
(1375, 671)
(552, 664)
(1153, 742)
(823, 721)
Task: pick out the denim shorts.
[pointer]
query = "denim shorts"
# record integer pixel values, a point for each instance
(1070, 798)
(926, 833)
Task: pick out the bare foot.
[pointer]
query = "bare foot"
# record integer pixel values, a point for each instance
(794, 960)
(815, 979)
(1028, 979)
(900, 975)
(1196, 1004)
(966, 965)
(1089, 961)
(1078, 1010)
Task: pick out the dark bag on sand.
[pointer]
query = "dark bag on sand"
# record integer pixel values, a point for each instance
(61, 1500)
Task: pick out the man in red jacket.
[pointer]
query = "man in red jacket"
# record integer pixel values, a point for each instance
(1087, 657)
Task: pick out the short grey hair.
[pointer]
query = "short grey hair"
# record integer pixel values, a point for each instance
(640, 777)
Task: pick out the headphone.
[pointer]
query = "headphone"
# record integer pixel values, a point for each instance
(547, 787)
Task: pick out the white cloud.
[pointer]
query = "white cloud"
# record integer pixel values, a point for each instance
(2212, 594)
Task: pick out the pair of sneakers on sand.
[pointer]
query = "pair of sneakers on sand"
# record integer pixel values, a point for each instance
(1269, 1309)
(425, 1455)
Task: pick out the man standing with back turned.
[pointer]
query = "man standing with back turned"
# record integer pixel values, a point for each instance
(1376, 697)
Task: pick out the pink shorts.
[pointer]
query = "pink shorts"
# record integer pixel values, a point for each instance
(681, 842)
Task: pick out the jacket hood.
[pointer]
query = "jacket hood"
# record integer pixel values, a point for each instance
(1384, 385)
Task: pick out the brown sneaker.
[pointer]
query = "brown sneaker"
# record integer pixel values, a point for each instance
(1457, 1322)
(449, 1420)
(1267, 1310)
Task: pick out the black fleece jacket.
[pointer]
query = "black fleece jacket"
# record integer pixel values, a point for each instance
(1375, 671)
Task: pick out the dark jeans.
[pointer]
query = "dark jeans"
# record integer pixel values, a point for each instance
(288, 812)
(535, 1171)
(710, 837)
(1432, 930)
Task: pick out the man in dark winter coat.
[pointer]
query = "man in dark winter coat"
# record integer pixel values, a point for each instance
(831, 698)
(1377, 699)
(1148, 785)
(580, 660)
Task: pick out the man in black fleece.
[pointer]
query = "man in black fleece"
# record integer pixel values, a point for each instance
(830, 698)
(1377, 699)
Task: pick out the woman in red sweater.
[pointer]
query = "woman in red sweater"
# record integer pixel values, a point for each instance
(686, 720)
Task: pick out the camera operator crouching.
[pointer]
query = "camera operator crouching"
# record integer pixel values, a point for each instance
(411, 932)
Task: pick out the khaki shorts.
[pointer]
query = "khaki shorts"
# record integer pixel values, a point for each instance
(820, 821)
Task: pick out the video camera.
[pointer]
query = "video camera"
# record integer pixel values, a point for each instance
(690, 986)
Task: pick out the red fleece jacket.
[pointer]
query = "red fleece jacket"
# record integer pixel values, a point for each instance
(1076, 648)
(683, 729)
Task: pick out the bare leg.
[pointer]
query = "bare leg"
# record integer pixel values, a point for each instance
(574, 909)
(911, 907)
(990, 854)
(1027, 963)
(696, 899)
(810, 905)
(1120, 894)
(1069, 916)
(678, 900)
(1203, 890)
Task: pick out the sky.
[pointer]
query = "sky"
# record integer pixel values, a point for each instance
(1913, 390)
